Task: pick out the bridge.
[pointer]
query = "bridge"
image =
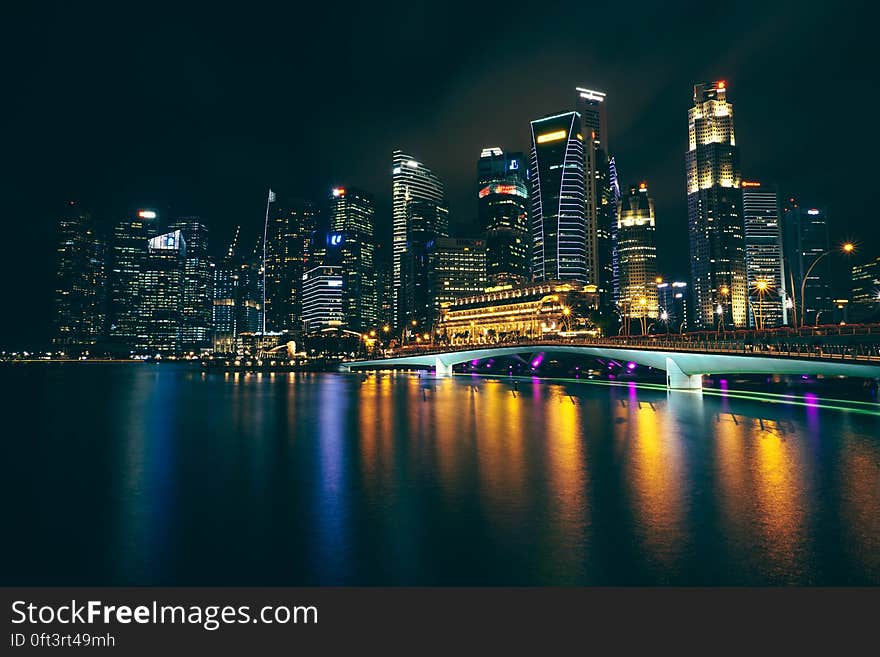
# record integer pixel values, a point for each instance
(684, 361)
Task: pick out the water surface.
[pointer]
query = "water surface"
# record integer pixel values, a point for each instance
(165, 475)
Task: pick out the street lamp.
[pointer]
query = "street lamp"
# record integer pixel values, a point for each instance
(724, 292)
(761, 287)
(846, 248)
(643, 318)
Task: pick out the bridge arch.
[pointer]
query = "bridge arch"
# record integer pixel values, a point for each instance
(684, 370)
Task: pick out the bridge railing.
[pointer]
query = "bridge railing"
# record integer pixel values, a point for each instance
(864, 353)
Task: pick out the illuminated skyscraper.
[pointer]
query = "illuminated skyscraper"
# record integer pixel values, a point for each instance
(600, 212)
(161, 285)
(352, 215)
(672, 303)
(196, 302)
(557, 180)
(764, 265)
(128, 252)
(291, 224)
(637, 254)
(426, 222)
(502, 208)
(225, 293)
(457, 269)
(80, 281)
(865, 304)
(614, 203)
(384, 286)
(715, 219)
(805, 240)
(322, 298)
(411, 181)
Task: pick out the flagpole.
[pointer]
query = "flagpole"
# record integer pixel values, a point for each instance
(265, 232)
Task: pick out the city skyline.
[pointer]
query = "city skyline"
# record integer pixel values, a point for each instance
(167, 298)
(645, 134)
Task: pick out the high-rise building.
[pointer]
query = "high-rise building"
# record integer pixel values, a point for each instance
(637, 254)
(614, 203)
(198, 279)
(764, 262)
(806, 241)
(502, 210)
(238, 296)
(715, 220)
(411, 182)
(557, 181)
(322, 298)
(672, 302)
(352, 216)
(127, 254)
(225, 294)
(80, 280)
(457, 268)
(161, 282)
(600, 213)
(384, 287)
(278, 283)
(249, 302)
(865, 302)
(291, 225)
(426, 221)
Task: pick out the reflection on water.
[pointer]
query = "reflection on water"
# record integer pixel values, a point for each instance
(167, 475)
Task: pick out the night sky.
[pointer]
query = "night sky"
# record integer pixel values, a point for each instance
(198, 111)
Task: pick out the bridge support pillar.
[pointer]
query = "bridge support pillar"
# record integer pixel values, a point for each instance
(678, 380)
(441, 369)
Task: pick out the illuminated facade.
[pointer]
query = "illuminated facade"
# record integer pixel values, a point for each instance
(291, 224)
(237, 295)
(614, 191)
(411, 182)
(600, 211)
(322, 298)
(352, 216)
(426, 222)
(456, 268)
(637, 254)
(384, 287)
(806, 239)
(509, 313)
(502, 210)
(162, 289)
(672, 303)
(128, 252)
(80, 281)
(198, 279)
(558, 199)
(764, 262)
(865, 303)
(715, 218)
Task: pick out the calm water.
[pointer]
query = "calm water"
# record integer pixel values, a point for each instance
(144, 474)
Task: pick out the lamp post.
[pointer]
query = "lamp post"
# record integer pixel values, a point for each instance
(847, 247)
(761, 287)
(724, 292)
(413, 323)
(643, 316)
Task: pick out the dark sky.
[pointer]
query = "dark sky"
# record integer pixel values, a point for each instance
(198, 110)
